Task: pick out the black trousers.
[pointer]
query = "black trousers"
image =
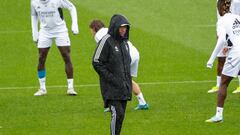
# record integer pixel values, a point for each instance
(117, 108)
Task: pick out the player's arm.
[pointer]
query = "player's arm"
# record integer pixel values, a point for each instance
(73, 12)
(34, 21)
(217, 49)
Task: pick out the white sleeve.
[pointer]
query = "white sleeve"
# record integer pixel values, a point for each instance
(220, 44)
(220, 26)
(34, 21)
(73, 12)
(217, 49)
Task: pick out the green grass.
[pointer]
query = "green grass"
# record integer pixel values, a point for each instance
(175, 39)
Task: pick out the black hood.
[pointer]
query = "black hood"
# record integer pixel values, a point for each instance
(116, 21)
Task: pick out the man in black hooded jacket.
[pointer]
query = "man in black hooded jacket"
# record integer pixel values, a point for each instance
(111, 61)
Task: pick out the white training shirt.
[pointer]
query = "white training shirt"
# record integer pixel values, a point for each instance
(227, 26)
(50, 15)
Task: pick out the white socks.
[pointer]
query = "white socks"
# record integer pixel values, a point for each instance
(141, 100)
(42, 83)
(70, 83)
(219, 112)
(218, 81)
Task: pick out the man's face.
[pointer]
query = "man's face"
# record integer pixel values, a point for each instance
(122, 30)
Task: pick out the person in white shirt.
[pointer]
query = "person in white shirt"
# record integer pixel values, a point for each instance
(98, 30)
(52, 26)
(228, 28)
(235, 4)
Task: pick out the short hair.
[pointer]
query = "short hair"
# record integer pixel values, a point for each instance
(225, 3)
(96, 25)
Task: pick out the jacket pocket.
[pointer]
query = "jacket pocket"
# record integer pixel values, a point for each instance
(118, 83)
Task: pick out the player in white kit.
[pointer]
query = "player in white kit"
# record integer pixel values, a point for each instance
(52, 27)
(98, 30)
(235, 4)
(235, 9)
(228, 28)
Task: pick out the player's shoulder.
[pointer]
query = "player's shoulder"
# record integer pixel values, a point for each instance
(100, 34)
(227, 17)
(34, 2)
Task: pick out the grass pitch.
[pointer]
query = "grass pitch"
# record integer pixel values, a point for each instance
(175, 39)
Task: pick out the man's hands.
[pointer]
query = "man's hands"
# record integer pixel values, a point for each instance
(209, 65)
(225, 50)
(35, 38)
(75, 30)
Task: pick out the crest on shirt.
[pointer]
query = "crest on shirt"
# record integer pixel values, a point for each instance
(116, 49)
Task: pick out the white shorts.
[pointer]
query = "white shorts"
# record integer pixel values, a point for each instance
(45, 39)
(134, 60)
(231, 66)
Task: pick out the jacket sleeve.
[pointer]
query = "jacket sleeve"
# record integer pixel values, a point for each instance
(100, 58)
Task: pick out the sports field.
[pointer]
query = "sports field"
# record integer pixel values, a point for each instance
(175, 39)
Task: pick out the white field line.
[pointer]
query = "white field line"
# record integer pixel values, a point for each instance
(206, 26)
(14, 31)
(96, 85)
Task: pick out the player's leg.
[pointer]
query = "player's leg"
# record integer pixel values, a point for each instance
(221, 61)
(238, 88)
(65, 52)
(42, 71)
(230, 70)
(44, 45)
(63, 43)
(142, 105)
(222, 94)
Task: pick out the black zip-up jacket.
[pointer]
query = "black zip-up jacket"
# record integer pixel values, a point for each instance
(112, 60)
